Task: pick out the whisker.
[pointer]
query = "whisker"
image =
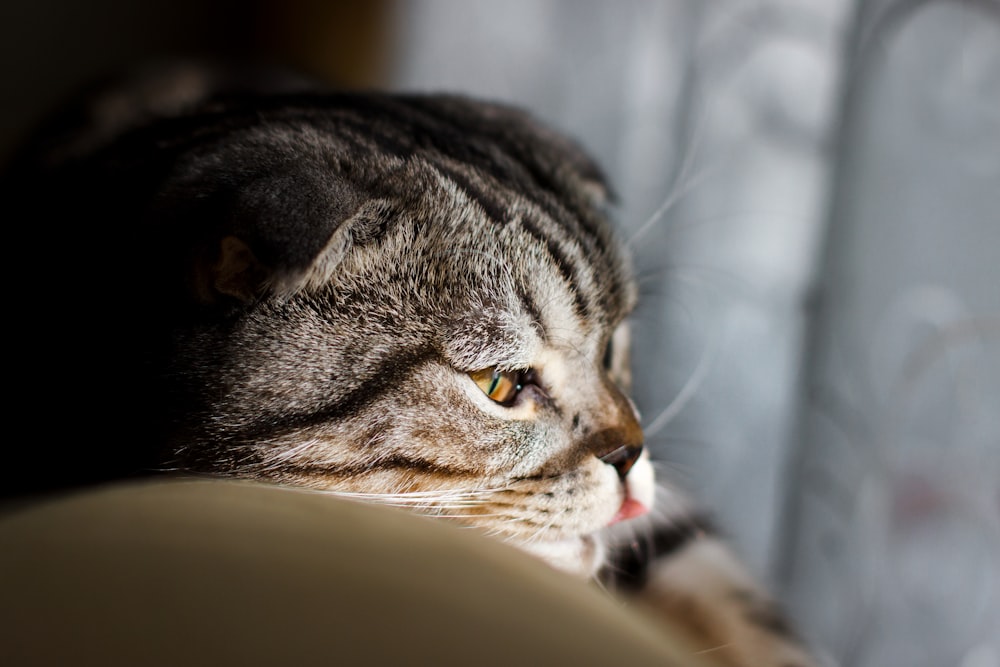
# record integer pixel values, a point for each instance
(669, 202)
(438, 493)
(691, 386)
(450, 500)
(681, 180)
(536, 536)
(713, 649)
(463, 516)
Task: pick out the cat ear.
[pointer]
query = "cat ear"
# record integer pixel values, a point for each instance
(234, 272)
(269, 236)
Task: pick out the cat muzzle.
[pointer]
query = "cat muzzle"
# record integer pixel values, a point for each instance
(622, 459)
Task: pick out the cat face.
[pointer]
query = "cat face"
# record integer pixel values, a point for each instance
(445, 366)
(411, 300)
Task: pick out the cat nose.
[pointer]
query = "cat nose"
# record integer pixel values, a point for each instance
(622, 459)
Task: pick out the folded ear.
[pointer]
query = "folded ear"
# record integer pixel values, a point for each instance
(234, 272)
(266, 235)
(231, 271)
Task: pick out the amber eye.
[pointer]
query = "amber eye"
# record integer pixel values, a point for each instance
(501, 386)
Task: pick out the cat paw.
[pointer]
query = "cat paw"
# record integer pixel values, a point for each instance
(704, 597)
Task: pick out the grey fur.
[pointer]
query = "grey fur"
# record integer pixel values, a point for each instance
(294, 287)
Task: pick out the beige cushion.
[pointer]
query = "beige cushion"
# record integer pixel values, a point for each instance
(220, 573)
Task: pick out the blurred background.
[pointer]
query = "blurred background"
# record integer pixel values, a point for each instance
(812, 192)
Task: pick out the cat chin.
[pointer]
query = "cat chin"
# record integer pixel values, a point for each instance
(580, 556)
(584, 555)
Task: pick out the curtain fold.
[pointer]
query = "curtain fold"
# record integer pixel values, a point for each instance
(811, 190)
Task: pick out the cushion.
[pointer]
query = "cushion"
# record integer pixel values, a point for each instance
(192, 572)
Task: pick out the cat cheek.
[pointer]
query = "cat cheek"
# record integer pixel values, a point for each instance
(605, 493)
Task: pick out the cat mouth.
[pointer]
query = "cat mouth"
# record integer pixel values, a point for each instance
(637, 498)
(584, 554)
(630, 509)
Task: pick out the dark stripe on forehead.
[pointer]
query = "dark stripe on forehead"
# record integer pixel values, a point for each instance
(491, 204)
(504, 151)
(533, 311)
(563, 264)
(377, 382)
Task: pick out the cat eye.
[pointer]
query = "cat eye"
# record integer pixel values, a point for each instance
(501, 386)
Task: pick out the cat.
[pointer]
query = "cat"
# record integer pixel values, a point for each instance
(410, 299)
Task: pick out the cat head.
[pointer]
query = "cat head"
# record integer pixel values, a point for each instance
(415, 300)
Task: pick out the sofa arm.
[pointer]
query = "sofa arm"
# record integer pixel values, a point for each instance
(215, 573)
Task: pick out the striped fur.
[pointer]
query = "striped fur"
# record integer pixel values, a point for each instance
(294, 287)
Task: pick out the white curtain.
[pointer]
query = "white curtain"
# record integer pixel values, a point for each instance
(811, 189)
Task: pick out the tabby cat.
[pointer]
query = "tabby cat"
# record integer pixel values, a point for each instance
(414, 300)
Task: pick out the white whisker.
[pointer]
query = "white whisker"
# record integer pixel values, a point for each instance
(691, 386)
(681, 184)
(668, 203)
(443, 503)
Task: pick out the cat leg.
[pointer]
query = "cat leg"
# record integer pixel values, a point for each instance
(691, 580)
